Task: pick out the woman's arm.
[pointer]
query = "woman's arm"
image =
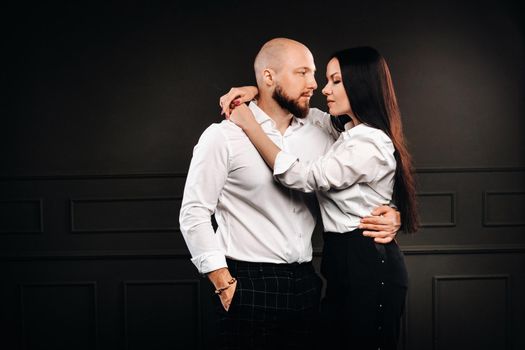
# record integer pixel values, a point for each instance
(235, 97)
(244, 118)
(238, 95)
(383, 223)
(360, 159)
(353, 161)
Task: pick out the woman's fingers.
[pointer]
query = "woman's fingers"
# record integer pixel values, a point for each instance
(227, 101)
(376, 220)
(380, 236)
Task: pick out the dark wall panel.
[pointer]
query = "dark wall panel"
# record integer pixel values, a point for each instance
(107, 215)
(59, 315)
(465, 299)
(161, 313)
(21, 216)
(437, 209)
(104, 103)
(125, 88)
(503, 208)
(471, 312)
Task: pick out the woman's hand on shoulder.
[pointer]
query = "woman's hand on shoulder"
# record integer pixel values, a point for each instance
(243, 117)
(235, 97)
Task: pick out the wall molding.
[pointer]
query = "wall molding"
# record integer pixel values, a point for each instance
(435, 307)
(184, 254)
(96, 255)
(431, 170)
(453, 208)
(485, 203)
(463, 249)
(183, 174)
(73, 201)
(100, 176)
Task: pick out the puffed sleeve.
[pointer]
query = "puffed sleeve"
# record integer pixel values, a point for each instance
(359, 159)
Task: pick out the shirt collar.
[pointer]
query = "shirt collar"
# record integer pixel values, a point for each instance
(349, 125)
(263, 118)
(351, 129)
(259, 114)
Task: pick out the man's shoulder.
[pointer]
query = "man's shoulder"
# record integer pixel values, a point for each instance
(220, 131)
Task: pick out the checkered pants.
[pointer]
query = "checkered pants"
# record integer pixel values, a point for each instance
(275, 306)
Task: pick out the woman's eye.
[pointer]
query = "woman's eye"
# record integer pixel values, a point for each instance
(337, 81)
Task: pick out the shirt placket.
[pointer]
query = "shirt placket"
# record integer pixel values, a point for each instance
(293, 200)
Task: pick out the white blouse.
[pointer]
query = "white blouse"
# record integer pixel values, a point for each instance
(354, 177)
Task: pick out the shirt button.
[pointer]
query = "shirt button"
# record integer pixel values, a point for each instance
(382, 284)
(380, 305)
(382, 261)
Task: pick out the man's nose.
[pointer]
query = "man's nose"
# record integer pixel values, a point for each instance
(312, 84)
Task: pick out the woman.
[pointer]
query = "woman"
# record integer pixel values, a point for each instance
(367, 166)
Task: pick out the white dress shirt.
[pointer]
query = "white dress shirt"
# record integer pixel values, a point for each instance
(354, 177)
(258, 219)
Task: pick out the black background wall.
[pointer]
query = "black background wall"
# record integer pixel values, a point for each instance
(103, 104)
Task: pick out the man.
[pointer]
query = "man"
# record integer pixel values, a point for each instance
(259, 260)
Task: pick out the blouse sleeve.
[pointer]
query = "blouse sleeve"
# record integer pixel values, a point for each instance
(360, 159)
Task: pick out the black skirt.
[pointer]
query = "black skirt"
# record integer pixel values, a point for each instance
(365, 291)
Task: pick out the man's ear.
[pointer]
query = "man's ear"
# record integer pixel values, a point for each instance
(269, 77)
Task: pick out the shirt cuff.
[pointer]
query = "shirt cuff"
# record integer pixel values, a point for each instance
(209, 262)
(283, 162)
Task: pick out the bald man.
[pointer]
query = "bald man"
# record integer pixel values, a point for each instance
(259, 258)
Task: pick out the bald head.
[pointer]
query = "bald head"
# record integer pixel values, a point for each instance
(274, 53)
(285, 73)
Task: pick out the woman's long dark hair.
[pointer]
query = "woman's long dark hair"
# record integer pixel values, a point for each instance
(370, 90)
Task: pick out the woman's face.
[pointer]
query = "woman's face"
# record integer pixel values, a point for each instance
(336, 98)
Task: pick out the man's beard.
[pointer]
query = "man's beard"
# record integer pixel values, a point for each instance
(292, 106)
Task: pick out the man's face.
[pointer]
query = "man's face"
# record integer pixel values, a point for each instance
(295, 82)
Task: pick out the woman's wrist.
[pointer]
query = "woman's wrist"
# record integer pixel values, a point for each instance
(251, 127)
(255, 92)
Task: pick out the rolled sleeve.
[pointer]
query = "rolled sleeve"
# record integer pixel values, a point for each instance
(283, 162)
(210, 261)
(357, 159)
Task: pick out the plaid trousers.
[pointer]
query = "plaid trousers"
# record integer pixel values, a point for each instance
(275, 306)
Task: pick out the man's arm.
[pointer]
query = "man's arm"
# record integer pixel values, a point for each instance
(204, 183)
(382, 225)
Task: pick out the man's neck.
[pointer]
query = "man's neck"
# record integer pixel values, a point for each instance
(279, 115)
